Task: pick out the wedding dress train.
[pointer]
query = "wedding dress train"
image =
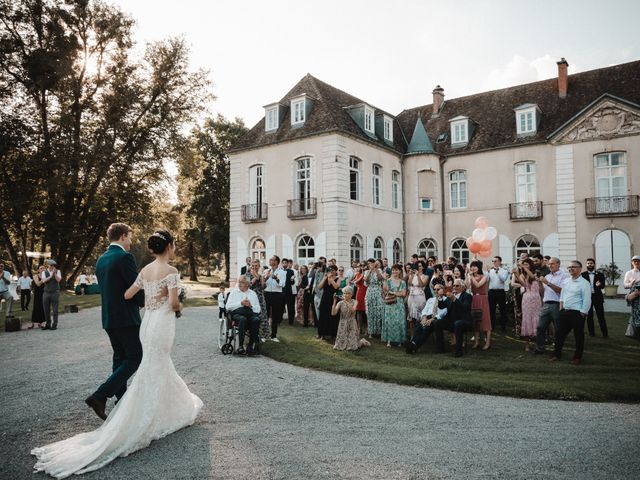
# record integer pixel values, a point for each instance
(157, 402)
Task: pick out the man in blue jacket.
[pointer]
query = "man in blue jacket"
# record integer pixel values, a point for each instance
(116, 271)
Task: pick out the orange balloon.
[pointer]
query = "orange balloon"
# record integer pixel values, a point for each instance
(474, 247)
(485, 253)
(469, 242)
(486, 245)
(481, 222)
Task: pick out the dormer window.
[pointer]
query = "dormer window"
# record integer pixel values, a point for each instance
(297, 111)
(388, 129)
(527, 118)
(459, 131)
(271, 118)
(369, 119)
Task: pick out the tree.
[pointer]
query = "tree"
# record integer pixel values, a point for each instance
(209, 207)
(85, 127)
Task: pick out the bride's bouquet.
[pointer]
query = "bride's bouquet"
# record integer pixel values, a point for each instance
(182, 296)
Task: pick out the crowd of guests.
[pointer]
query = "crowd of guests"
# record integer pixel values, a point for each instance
(402, 305)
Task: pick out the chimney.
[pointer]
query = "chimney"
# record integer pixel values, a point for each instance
(438, 99)
(563, 82)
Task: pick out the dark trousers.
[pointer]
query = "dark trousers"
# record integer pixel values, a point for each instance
(456, 326)
(25, 299)
(244, 318)
(550, 312)
(221, 312)
(421, 333)
(498, 298)
(598, 306)
(50, 302)
(570, 320)
(307, 304)
(275, 309)
(290, 302)
(127, 355)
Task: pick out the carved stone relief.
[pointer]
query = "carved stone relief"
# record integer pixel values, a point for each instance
(605, 121)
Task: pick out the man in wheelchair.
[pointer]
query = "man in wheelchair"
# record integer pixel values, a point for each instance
(244, 308)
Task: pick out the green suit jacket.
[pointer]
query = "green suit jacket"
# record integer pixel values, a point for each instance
(116, 271)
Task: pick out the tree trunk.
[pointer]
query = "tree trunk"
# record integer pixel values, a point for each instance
(193, 262)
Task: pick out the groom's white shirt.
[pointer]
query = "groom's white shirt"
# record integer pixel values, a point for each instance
(236, 296)
(118, 245)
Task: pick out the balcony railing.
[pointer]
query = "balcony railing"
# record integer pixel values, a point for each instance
(254, 212)
(622, 206)
(525, 211)
(302, 208)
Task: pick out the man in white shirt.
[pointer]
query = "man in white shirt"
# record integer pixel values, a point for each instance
(430, 314)
(497, 297)
(24, 282)
(221, 303)
(5, 281)
(551, 285)
(633, 276)
(83, 282)
(244, 307)
(275, 278)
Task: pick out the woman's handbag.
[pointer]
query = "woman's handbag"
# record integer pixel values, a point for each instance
(390, 299)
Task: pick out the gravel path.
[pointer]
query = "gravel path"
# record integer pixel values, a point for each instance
(267, 420)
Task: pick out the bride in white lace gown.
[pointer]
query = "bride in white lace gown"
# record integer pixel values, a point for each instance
(157, 403)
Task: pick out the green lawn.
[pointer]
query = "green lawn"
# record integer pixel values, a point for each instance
(609, 372)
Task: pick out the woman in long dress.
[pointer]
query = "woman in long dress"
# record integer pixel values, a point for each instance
(417, 280)
(303, 283)
(531, 301)
(394, 327)
(361, 292)
(373, 279)
(348, 337)
(37, 314)
(256, 283)
(479, 283)
(157, 403)
(327, 322)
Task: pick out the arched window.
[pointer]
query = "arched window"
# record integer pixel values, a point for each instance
(376, 187)
(258, 250)
(306, 250)
(397, 251)
(354, 178)
(458, 189)
(395, 189)
(378, 248)
(459, 250)
(356, 249)
(428, 248)
(527, 244)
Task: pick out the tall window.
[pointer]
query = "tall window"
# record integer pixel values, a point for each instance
(356, 249)
(458, 189)
(397, 251)
(303, 184)
(427, 247)
(272, 119)
(388, 129)
(527, 244)
(258, 250)
(395, 189)
(306, 250)
(459, 250)
(354, 178)
(377, 183)
(368, 120)
(525, 182)
(459, 132)
(378, 248)
(611, 174)
(426, 188)
(255, 185)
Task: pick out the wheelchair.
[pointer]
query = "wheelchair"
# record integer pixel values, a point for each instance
(228, 336)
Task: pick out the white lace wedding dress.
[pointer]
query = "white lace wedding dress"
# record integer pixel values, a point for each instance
(157, 402)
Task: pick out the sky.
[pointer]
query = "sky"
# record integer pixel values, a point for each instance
(389, 54)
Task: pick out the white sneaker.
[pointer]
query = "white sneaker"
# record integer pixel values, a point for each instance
(275, 339)
(263, 340)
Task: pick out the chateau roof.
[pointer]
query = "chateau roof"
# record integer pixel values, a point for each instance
(492, 113)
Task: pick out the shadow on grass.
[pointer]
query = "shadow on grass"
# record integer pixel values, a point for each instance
(608, 373)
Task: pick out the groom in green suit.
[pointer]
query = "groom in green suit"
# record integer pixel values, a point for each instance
(116, 271)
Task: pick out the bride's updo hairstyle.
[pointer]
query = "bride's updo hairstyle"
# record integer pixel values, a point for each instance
(159, 241)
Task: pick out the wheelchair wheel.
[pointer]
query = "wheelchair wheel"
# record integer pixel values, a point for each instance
(227, 349)
(222, 335)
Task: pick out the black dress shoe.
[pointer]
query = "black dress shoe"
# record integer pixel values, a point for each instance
(411, 348)
(97, 405)
(53, 328)
(46, 327)
(458, 354)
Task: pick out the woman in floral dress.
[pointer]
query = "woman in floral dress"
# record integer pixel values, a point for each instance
(479, 283)
(303, 283)
(375, 304)
(256, 283)
(531, 301)
(348, 337)
(394, 327)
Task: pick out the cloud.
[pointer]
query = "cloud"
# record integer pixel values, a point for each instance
(521, 70)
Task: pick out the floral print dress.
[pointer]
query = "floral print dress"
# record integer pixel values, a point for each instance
(375, 304)
(394, 325)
